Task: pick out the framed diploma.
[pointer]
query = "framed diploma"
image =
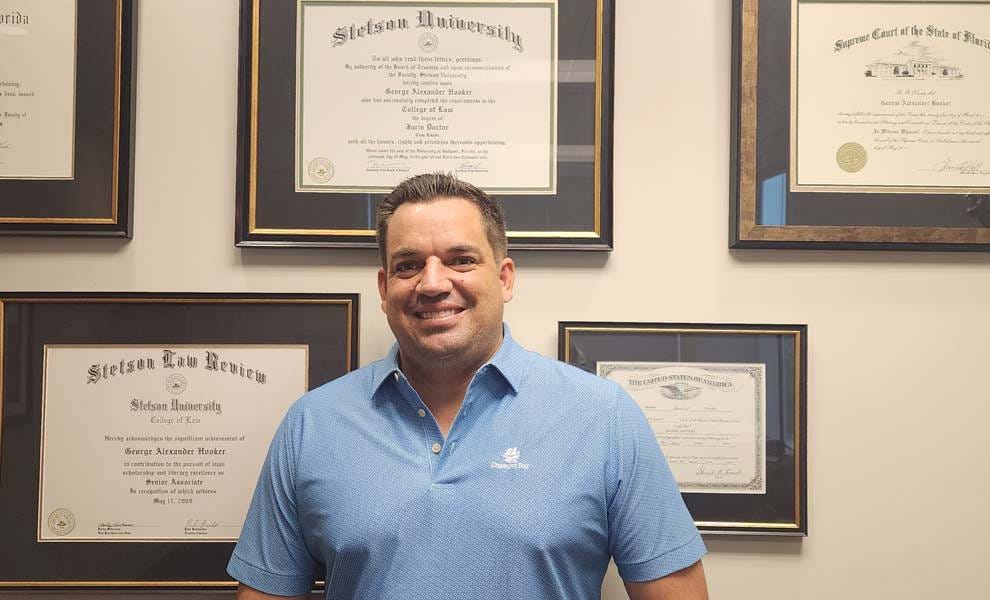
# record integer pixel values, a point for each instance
(860, 125)
(134, 426)
(340, 100)
(66, 117)
(728, 405)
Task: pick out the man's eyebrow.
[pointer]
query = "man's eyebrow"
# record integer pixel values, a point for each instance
(402, 253)
(461, 248)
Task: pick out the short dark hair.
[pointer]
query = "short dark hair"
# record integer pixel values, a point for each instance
(433, 186)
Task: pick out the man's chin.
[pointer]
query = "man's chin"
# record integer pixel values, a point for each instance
(442, 349)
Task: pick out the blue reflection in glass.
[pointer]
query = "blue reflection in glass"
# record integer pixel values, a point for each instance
(773, 200)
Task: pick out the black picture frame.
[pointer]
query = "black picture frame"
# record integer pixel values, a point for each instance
(326, 323)
(766, 214)
(270, 213)
(98, 201)
(783, 509)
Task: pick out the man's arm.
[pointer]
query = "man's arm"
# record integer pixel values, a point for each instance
(686, 584)
(249, 593)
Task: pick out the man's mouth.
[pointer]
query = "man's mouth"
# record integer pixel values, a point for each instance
(438, 314)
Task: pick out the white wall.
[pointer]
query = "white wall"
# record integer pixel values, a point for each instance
(897, 402)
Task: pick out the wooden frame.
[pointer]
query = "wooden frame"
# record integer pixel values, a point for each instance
(768, 210)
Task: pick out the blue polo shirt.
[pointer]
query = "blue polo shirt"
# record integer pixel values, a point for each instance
(546, 472)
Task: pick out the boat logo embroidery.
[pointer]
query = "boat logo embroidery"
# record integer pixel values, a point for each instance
(510, 460)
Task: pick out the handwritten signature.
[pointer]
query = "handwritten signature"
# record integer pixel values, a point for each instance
(470, 166)
(4, 145)
(374, 164)
(204, 523)
(966, 167)
(718, 472)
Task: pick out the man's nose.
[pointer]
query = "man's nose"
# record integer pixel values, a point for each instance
(434, 279)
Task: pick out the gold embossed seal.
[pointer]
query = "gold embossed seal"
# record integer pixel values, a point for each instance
(851, 157)
(320, 170)
(61, 521)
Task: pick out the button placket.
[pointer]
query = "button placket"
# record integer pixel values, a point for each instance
(430, 432)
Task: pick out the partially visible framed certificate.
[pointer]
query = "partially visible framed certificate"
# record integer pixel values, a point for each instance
(728, 405)
(37, 89)
(142, 423)
(66, 117)
(343, 99)
(908, 114)
(862, 126)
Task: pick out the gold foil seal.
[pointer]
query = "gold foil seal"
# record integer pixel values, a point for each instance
(851, 157)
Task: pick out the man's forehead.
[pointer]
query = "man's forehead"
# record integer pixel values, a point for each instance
(444, 223)
(438, 205)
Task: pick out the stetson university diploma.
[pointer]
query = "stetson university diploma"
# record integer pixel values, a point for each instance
(386, 90)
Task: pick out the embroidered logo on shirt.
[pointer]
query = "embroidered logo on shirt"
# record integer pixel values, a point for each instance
(510, 460)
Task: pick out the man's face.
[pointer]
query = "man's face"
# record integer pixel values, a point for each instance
(442, 288)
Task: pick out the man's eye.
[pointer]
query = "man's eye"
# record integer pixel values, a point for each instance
(406, 268)
(461, 261)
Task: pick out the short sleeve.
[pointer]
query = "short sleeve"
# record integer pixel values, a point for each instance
(651, 532)
(271, 554)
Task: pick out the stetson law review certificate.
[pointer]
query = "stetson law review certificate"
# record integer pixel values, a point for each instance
(37, 88)
(158, 443)
(709, 419)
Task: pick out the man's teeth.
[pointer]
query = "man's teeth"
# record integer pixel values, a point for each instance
(436, 314)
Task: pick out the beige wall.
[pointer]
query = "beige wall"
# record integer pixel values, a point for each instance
(898, 341)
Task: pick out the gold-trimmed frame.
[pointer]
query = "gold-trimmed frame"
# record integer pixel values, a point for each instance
(798, 526)
(249, 233)
(350, 302)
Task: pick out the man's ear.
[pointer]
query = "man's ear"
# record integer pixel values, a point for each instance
(507, 275)
(382, 286)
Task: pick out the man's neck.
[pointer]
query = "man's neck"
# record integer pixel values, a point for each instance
(444, 399)
(441, 386)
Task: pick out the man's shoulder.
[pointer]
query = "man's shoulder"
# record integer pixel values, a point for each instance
(565, 372)
(568, 381)
(340, 393)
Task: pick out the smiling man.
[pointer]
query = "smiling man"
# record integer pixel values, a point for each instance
(461, 465)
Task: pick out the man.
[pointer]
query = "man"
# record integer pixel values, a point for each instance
(461, 465)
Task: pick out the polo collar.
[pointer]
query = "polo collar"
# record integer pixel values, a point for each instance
(510, 361)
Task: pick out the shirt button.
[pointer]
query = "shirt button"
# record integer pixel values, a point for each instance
(421, 412)
(436, 448)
